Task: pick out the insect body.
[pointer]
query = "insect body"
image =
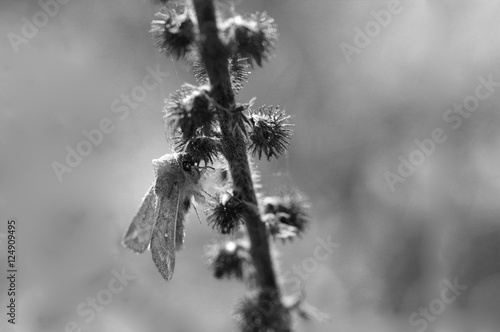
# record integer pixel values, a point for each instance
(159, 222)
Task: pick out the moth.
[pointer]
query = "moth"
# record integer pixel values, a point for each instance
(159, 223)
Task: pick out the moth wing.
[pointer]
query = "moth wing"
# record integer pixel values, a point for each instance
(140, 230)
(163, 241)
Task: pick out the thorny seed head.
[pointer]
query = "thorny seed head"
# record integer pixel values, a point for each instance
(173, 31)
(189, 110)
(253, 36)
(270, 132)
(230, 259)
(262, 312)
(225, 213)
(200, 148)
(286, 216)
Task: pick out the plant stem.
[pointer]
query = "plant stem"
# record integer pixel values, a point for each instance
(215, 57)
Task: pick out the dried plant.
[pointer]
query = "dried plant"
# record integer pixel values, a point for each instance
(211, 130)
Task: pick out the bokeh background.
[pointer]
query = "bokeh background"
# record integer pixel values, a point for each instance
(354, 119)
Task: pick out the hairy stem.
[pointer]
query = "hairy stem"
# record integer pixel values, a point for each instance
(214, 56)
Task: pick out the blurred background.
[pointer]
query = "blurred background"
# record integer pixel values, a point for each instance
(359, 99)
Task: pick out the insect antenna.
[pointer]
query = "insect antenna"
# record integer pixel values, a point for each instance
(196, 211)
(206, 193)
